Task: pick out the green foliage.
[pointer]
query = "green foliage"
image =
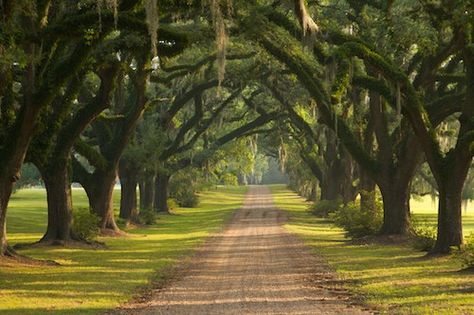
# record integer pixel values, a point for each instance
(229, 179)
(85, 224)
(466, 254)
(172, 204)
(30, 176)
(186, 197)
(325, 207)
(147, 216)
(184, 186)
(424, 237)
(357, 221)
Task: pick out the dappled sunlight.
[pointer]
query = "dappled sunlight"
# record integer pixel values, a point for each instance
(252, 267)
(93, 280)
(389, 275)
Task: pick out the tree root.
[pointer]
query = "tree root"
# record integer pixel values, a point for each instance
(72, 243)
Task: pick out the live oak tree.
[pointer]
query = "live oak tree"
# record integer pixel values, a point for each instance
(34, 69)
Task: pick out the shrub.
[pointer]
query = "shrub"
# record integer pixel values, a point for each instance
(187, 198)
(357, 221)
(324, 207)
(229, 179)
(424, 237)
(147, 216)
(85, 224)
(466, 254)
(184, 187)
(172, 204)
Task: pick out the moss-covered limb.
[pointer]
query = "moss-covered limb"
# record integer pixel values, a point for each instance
(445, 106)
(133, 112)
(182, 70)
(50, 121)
(468, 55)
(186, 127)
(375, 85)
(85, 115)
(376, 60)
(385, 143)
(180, 101)
(341, 81)
(61, 70)
(241, 131)
(92, 155)
(261, 120)
(74, 25)
(412, 108)
(204, 125)
(254, 106)
(299, 66)
(313, 165)
(426, 75)
(304, 128)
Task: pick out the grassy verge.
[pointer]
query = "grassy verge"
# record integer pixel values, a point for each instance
(398, 279)
(92, 281)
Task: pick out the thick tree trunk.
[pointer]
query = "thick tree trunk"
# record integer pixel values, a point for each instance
(147, 192)
(161, 192)
(100, 193)
(11, 160)
(330, 189)
(367, 192)
(396, 209)
(449, 214)
(6, 187)
(58, 190)
(128, 197)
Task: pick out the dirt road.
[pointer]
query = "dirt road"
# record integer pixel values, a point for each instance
(253, 267)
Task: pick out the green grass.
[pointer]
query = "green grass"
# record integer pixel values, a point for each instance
(397, 279)
(92, 281)
(424, 210)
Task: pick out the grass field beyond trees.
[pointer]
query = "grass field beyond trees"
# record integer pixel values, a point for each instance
(398, 279)
(92, 281)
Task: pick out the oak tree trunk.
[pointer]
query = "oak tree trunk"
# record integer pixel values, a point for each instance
(58, 191)
(128, 197)
(449, 214)
(100, 193)
(6, 187)
(161, 192)
(147, 192)
(396, 209)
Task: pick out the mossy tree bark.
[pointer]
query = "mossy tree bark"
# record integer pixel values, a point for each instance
(52, 148)
(112, 137)
(386, 165)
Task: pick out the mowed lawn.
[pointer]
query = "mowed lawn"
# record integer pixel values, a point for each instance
(398, 279)
(92, 281)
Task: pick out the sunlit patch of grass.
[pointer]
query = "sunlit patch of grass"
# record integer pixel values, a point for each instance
(398, 279)
(92, 281)
(425, 210)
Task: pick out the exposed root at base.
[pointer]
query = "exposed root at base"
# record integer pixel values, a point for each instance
(82, 244)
